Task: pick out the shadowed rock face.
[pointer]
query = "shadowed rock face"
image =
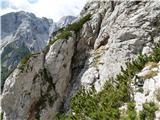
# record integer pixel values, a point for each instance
(88, 57)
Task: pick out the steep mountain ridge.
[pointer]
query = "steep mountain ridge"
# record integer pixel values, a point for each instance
(24, 33)
(83, 55)
(15, 24)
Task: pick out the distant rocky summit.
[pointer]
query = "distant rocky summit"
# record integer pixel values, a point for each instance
(103, 66)
(64, 21)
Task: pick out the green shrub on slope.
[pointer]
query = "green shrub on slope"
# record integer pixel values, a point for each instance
(24, 61)
(131, 113)
(148, 112)
(105, 104)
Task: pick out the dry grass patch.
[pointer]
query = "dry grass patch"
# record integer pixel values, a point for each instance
(157, 94)
(150, 74)
(151, 64)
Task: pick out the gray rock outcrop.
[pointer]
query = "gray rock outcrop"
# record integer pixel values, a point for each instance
(41, 92)
(149, 86)
(129, 30)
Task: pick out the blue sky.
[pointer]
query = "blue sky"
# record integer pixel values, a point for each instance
(54, 9)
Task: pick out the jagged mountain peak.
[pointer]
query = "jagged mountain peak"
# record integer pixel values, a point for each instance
(65, 20)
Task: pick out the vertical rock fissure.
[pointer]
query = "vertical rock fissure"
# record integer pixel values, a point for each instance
(76, 69)
(70, 85)
(45, 96)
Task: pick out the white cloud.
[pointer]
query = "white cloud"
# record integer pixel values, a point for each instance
(54, 9)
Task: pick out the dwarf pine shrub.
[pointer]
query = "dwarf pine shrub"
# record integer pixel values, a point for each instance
(105, 104)
(24, 61)
(148, 112)
(132, 115)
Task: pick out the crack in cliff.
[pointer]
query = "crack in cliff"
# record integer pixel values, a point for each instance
(45, 96)
(79, 65)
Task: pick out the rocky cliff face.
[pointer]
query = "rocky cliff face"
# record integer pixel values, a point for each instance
(23, 33)
(147, 91)
(116, 33)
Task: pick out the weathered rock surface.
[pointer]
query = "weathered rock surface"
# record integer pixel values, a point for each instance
(40, 86)
(127, 31)
(20, 93)
(149, 87)
(90, 56)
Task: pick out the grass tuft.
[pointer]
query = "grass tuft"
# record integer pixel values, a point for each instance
(150, 74)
